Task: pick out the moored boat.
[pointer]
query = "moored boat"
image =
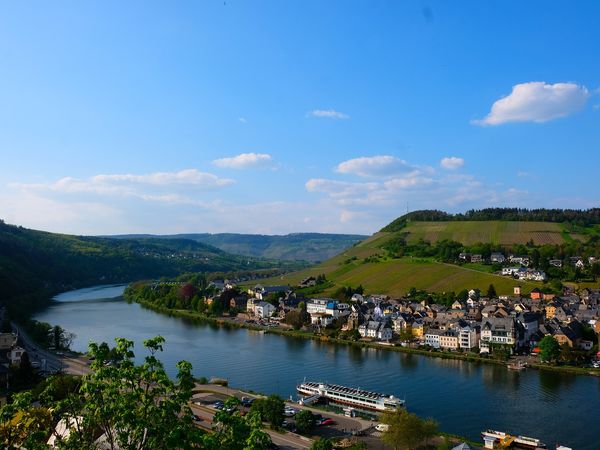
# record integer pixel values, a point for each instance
(507, 440)
(354, 397)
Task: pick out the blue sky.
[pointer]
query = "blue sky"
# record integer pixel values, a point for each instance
(277, 117)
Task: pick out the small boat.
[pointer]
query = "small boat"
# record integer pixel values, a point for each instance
(505, 440)
(519, 365)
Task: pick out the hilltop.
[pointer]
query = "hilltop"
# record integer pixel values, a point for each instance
(311, 247)
(422, 250)
(35, 264)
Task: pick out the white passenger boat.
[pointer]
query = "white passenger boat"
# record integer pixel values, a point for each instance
(358, 398)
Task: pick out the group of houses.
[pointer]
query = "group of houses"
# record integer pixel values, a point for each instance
(478, 323)
(10, 355)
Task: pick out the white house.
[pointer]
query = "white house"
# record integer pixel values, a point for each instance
(16, 353)
(468, 338)
(263, 310)
(384, 333)
(318, 305)
(432, 337)
(497, 330)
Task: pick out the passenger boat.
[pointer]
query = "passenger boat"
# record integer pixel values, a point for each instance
(507, 440)
(357, 398)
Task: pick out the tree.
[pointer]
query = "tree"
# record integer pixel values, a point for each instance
(295, 319)
(549, 348)
(23, 425)
(305, 421)
(322, 444)
(234, 432)
(429, 429)
(405, 429)
(270, 409)
(491, 292)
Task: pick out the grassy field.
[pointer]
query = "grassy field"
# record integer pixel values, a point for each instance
(396, 276)
(383, 275)
(494, 231)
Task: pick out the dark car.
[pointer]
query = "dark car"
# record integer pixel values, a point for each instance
(247, 401)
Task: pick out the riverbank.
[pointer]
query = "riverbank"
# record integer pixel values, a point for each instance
(229, 322)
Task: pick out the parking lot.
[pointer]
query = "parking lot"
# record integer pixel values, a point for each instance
(338, 426)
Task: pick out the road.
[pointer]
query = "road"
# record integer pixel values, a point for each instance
(49, 361)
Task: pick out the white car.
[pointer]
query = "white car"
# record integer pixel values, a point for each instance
(289, 412)
(382, 427)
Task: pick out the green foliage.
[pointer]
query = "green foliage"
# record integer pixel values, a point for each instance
(297, 318)
(305, 421)
(322, 444)
(133, 406)
(491, 291)
(549, 348)
(407, 430)
(270, 409)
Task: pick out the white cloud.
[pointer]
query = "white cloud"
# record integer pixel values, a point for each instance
(381, 165)
(242, 119)
(130, 184)
(538, 102)
(188, 176)
(327, 114)
(452, 162)
(245, 161)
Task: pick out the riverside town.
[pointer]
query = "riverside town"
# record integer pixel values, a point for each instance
(299, 225)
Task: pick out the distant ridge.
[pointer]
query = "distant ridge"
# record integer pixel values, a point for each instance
(311, 247)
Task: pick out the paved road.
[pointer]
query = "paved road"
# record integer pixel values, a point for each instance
(49, 361)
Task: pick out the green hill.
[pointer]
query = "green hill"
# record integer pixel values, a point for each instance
(359, 265)
(35, 264)
(416, 250)
(311, 247)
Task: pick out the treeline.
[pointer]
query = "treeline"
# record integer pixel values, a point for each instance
(35, 265)
(189, 291)
(580, 217)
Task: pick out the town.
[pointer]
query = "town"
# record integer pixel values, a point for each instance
(483, 322)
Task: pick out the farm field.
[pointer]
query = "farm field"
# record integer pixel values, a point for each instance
(494, 231)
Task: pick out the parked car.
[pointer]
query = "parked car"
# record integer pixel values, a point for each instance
(218, 404)
(247, 401)
(382, 427)
(326, 421)
(289, 411)
(196, 418)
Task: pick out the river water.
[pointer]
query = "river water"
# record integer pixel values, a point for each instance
(465, 398)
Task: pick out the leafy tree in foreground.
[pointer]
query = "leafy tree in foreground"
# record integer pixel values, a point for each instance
(270, 409)
(127, 406)
(549, 348)
(305, 421)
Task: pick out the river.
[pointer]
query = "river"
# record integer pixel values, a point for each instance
(465, 398)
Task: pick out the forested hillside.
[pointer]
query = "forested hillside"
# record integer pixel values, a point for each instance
(36, 264)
